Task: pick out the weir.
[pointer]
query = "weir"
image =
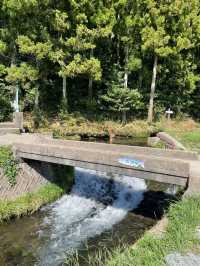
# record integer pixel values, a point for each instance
(166, 166)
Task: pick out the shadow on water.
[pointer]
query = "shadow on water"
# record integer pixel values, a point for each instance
(155, 204)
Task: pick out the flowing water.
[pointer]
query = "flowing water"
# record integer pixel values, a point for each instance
(95, 208)
(97, 214)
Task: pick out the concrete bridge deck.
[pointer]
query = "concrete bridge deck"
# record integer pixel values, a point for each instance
(167, 166)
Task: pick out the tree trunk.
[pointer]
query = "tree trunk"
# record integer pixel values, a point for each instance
(126, 67)
(64, 88)
(13, 63)
(152, 94)
(65, 100)
(36, 98)
(124, 117)
(118, 51)
(17, 98)
(90, 85)
(90, 89)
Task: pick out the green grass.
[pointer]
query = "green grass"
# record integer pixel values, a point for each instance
(30, 202)
(191, 140)
(184, 218)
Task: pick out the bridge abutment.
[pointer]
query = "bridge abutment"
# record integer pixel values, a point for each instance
(193, 187)
(34, 175)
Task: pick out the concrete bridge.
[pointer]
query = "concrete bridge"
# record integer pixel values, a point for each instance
(167, 166)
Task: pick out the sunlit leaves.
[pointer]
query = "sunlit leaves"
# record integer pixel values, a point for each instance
(80, 66)
(22, 73)
(40, 49)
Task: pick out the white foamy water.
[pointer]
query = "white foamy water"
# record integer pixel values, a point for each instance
(97, 202)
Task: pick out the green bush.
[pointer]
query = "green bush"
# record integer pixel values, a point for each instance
(9, 164)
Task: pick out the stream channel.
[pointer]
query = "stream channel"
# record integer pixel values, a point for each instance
(102, 211)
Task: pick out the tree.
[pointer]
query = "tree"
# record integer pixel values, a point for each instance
(120, 99)
(155, 39)
(168, 30)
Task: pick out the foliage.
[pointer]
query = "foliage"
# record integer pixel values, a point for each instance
(79, 127)
(5, 102)
(9, 165)
(42, 42)
(39, 119)
(120, 99)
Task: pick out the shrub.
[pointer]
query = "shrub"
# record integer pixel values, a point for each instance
(9, 164)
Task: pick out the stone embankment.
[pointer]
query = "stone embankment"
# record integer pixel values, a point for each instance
(30, 178)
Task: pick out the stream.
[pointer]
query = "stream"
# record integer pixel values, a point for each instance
(97, 214)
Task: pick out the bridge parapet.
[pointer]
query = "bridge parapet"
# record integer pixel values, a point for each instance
(153, 164)
(174, 154)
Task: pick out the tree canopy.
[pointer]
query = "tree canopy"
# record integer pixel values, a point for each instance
(135, 58)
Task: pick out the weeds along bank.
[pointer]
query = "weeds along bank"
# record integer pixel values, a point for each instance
(187, 131)
(78, 126)
(180, 236)
(26, 186)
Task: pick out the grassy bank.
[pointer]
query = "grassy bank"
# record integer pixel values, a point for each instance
(186, 131)
(151, 250)
(180, 236)
(31, 202)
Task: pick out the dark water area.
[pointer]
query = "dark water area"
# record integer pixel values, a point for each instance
(139, 141)
(101, 212)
